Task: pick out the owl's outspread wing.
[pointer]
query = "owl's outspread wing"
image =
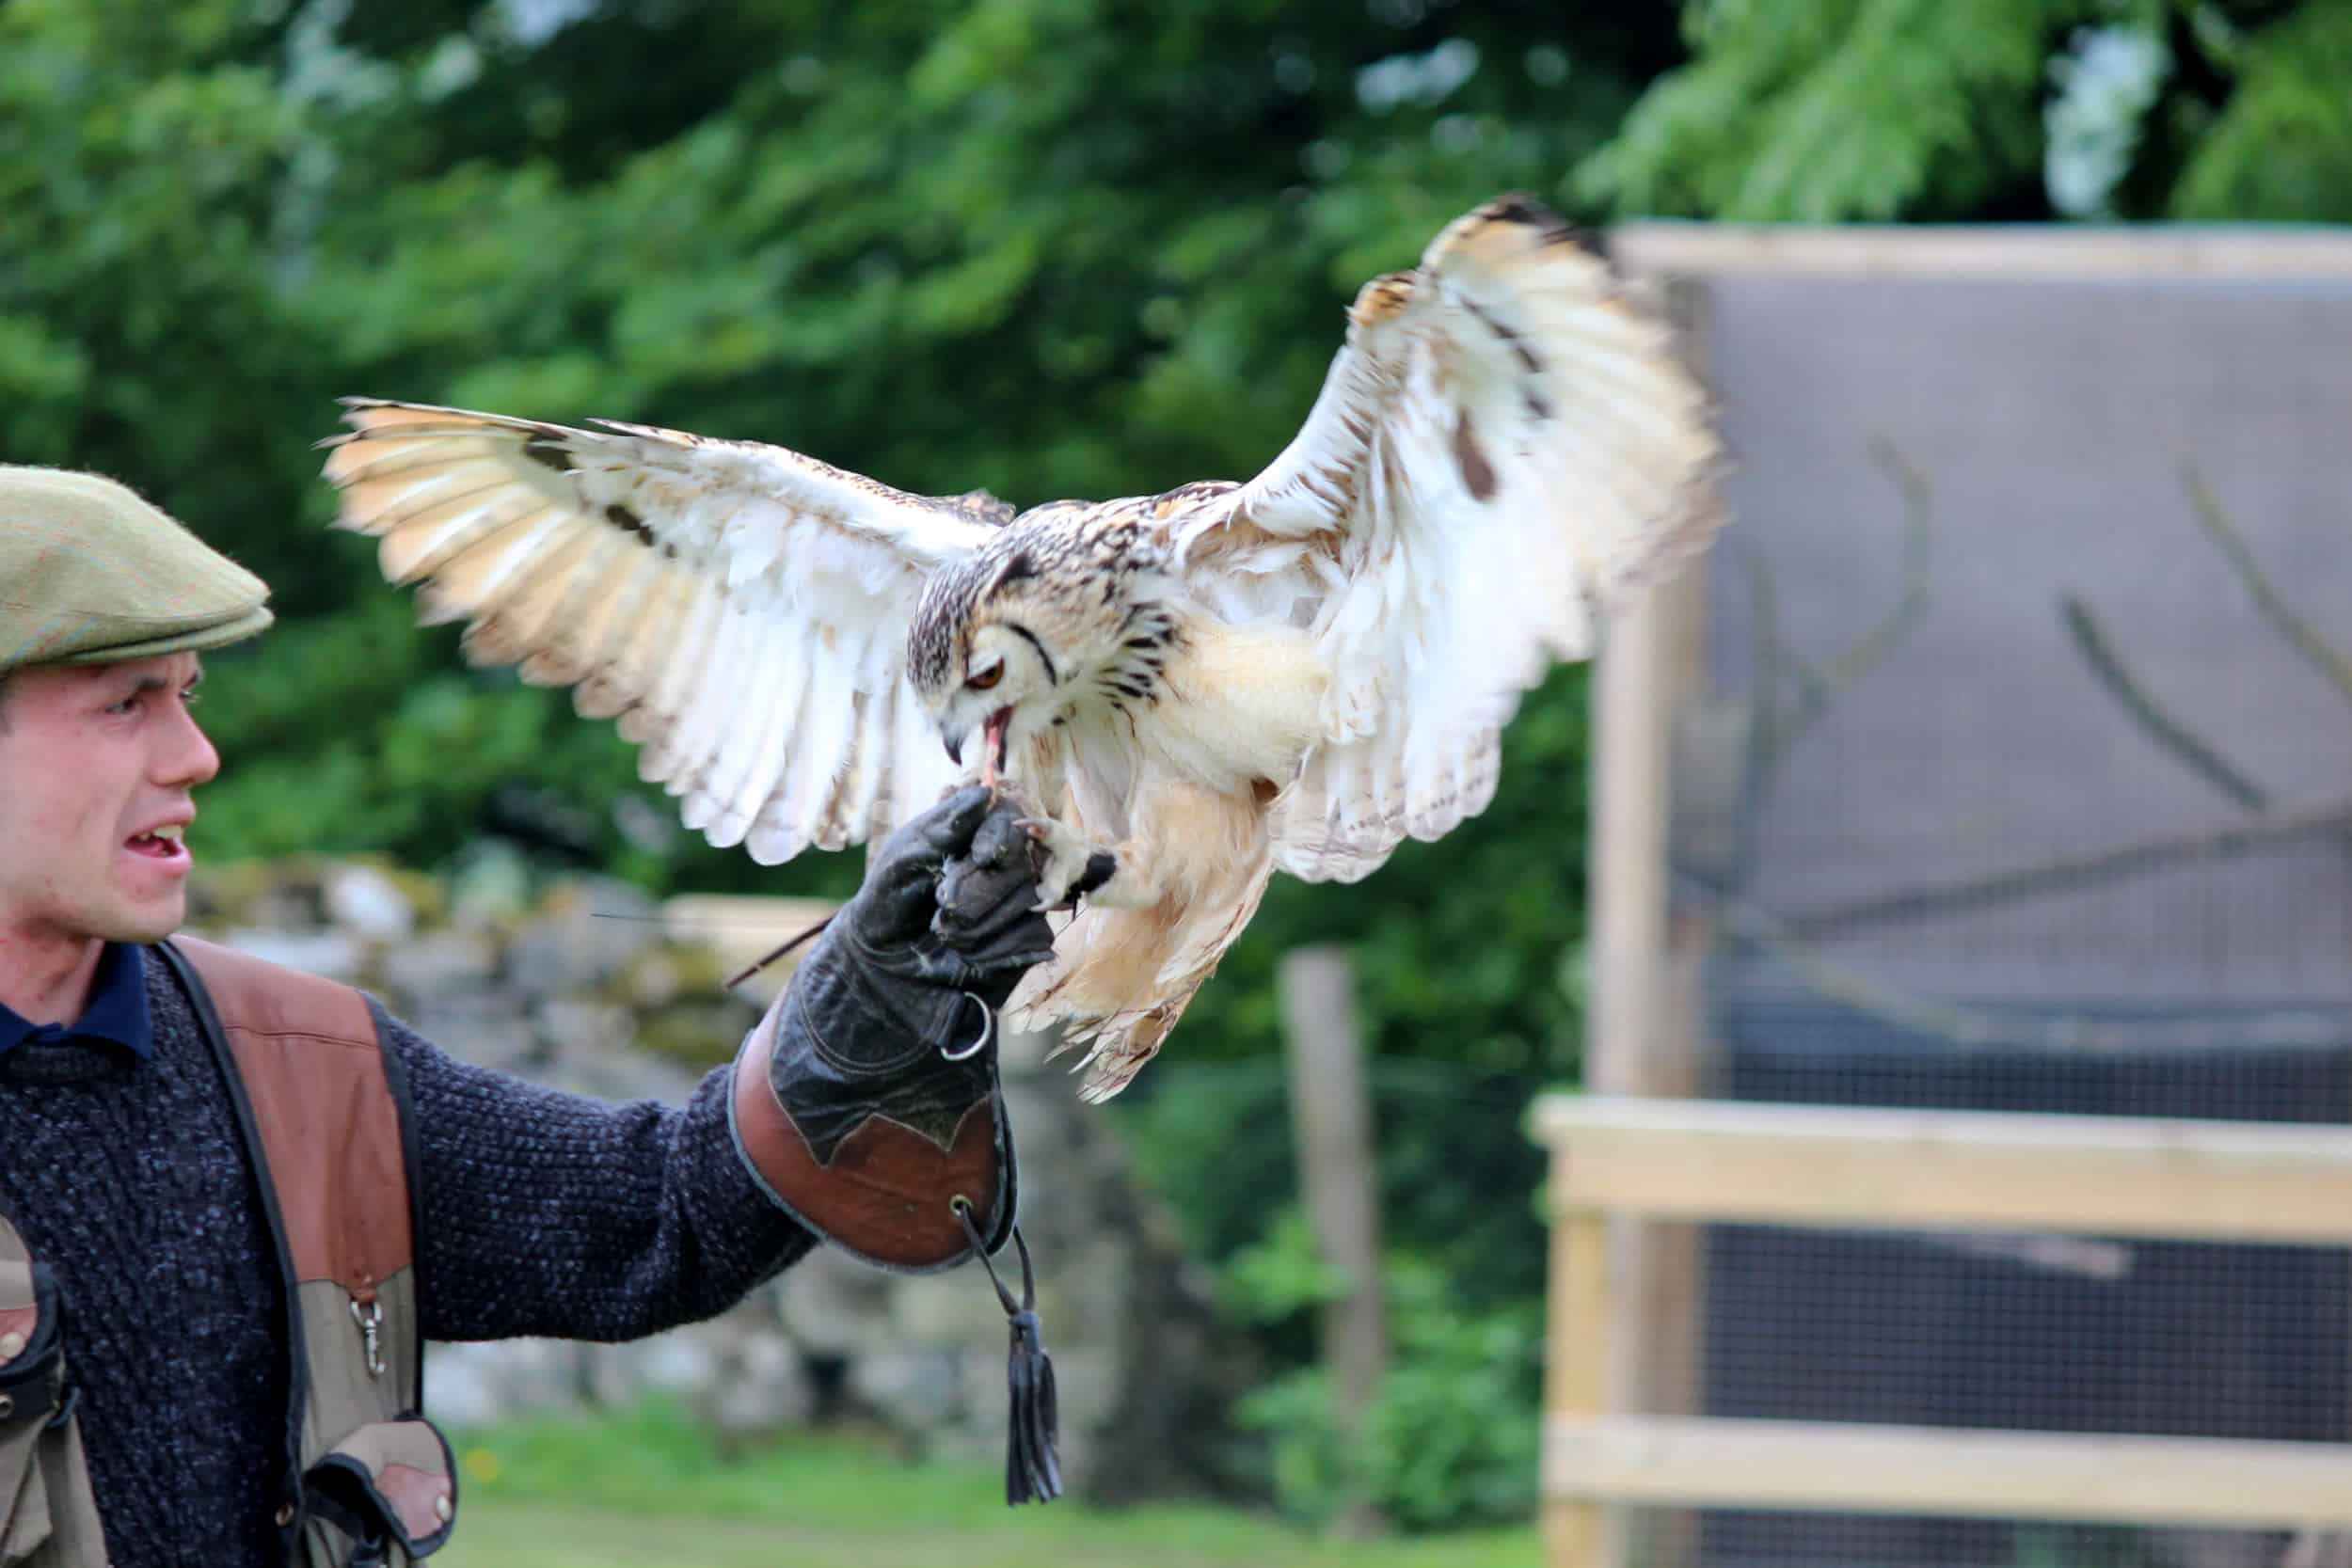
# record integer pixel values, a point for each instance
(1297, 673)
(1504, 447)
(667, 578)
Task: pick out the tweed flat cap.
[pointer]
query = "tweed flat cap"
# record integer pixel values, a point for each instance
(91, 574)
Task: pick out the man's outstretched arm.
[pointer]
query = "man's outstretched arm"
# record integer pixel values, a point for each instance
(556, 1214)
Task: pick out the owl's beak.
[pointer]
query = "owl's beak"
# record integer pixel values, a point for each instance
(994, 738)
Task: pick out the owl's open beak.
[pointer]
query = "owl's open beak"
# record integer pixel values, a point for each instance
(993, 736)
(992, 740)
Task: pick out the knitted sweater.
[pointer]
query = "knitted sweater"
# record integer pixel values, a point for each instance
(544, 1213)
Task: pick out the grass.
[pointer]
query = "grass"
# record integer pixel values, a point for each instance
(645, 1490)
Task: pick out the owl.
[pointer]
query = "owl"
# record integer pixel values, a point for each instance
(1186, 692)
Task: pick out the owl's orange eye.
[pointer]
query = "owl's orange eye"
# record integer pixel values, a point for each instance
(982, 679)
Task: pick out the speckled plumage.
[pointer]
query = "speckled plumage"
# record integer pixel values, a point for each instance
(1214, 683)
(1077, 562)
(1082, 570)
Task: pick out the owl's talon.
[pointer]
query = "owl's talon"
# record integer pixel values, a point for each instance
(1100, 868)
(1073, 868)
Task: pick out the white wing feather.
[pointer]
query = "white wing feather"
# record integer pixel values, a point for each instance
(740, 608)
(1504, 448)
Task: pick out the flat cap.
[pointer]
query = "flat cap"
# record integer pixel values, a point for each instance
(91, 574)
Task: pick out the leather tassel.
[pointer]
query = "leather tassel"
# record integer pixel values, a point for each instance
(1032, 1467)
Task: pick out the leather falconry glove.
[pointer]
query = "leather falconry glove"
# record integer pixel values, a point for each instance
(868, 1102)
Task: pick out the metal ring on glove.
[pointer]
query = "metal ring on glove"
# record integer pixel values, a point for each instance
(988, 1033)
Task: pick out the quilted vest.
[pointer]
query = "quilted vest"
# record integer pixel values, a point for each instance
(322, 1110)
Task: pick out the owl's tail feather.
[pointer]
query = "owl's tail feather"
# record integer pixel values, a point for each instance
(1121, 977)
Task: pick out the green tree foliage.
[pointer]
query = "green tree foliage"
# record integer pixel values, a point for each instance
(1962, 110)
(1836, 110)
(1450, 1437)
(2281, 146)
(1048, 246)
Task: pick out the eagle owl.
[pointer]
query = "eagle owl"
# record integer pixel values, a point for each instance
(1189, 691)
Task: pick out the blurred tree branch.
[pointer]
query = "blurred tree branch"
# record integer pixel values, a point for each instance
(2065, 874)
(1725, 770)
(1980, 1027)
(2300, 634)
(1817, 688)
(2167, 732)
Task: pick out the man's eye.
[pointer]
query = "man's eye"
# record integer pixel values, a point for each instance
(126, 706)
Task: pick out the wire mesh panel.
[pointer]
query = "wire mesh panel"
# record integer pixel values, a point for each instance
(2032, 1333)
(2022, 781)
(1884, 1542)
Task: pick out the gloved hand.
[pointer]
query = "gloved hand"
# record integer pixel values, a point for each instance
(855, 1097)
(932, 943)
(866, 1102)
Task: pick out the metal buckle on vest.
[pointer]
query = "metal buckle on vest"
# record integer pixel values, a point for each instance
(53, 1397)
(69, 1398)
(369, 1317)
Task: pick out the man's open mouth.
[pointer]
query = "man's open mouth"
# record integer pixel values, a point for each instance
(163, 844)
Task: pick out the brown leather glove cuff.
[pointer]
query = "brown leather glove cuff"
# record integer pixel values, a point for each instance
(887, 1194)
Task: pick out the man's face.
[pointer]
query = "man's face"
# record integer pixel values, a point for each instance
(97, 765)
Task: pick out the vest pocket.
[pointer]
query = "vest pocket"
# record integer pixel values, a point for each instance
(390, 1488)
(31, 1384)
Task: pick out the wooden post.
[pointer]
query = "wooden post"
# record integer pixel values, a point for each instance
(1578, 1533)
(1642, 1033)
(1331, 1115)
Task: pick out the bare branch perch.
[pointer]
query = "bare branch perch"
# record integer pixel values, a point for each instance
(1918, 508)
(2168, 732)
(2069, 873)
(2028, 1028)
(2299, 633)
(1816, 687)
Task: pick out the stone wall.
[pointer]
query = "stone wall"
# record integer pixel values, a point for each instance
(589, 986)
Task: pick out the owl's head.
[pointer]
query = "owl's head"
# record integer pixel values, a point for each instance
(1001, 647)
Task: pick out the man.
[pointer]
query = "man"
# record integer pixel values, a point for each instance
(125, 1170)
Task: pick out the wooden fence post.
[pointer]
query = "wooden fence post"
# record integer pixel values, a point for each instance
(1642, 1030)
(1577, 1532)
(1332, 1116)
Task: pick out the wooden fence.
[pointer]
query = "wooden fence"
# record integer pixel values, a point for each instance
(1617, 1160)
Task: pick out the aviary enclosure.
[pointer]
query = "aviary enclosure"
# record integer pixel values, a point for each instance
(1999, 760)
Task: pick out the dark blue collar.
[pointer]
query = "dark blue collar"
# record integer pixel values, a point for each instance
(117, 1010)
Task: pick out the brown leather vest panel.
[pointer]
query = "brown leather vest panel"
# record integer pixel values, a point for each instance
(328, 1141)
(306, 1050)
